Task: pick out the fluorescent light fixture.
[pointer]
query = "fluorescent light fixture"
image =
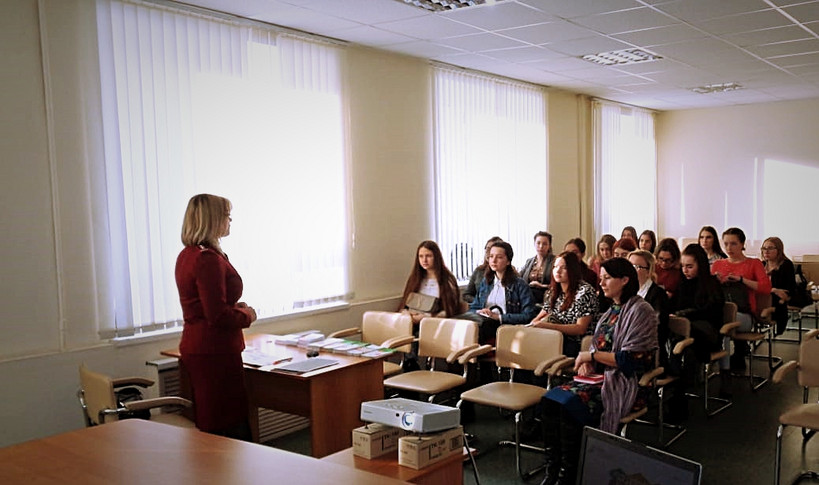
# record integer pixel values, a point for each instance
(621, 58)
(446, 5)
(716, 88)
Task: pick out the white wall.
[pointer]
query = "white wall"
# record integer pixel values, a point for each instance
(755, 167)
(48, 315)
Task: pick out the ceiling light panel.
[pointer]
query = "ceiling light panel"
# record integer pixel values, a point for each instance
(622, 57)
(446, 5)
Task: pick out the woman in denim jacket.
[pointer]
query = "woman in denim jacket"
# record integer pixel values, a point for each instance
(503, 297)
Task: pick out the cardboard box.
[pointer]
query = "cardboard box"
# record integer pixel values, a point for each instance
(419, 451)
(375, 439)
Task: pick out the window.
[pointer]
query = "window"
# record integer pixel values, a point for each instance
(490, 165)
(195, 104)
(625, 167)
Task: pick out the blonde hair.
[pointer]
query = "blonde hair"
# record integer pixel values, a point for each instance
(650, 261)
(204, 219)
(780, 249)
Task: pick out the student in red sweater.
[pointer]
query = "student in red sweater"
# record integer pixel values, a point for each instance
(212, 341)
(749, 275)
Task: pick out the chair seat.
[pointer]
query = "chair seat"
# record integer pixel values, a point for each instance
(804, 416)
(513, 396)
(173, 419)
(391, 368)
(750, 336)
(425, 381)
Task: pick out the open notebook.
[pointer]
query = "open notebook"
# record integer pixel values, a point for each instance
(606, 458)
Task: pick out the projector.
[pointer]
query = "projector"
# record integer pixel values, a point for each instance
(414, 416)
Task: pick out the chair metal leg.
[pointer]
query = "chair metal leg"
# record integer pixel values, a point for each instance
(518, 447)
(778, 458)
(707, 399)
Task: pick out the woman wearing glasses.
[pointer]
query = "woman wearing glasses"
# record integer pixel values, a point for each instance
(668, 265)
(710, 243)
(783, 281)
(643, 263)
(570, 303)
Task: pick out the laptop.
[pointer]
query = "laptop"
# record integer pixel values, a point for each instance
(606, 458)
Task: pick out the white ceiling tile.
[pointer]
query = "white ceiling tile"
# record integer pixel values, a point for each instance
(304, 19)
(797, 60)
(805, 70)
(691, 50)
(793, 92)
(767, 36)
(698, 10)
(372, 36)
(594, 73)
(547, 78)
(589, 45)
(805, 12)
(475, 61)
(625, 20)
(423, 48)
(786, 48)
(363, 11)
(660, 35)
(549, 32)
(499, 16)
(685, 77)
(428, 27)
(480, 42)
(249, 8)
(568, 9)
(523, 54)
(744, 22)
(561, 64)
(648, 67)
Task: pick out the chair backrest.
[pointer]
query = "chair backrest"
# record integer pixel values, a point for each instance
(763, 301)
(809, 363)
(521, 347)
(376, 327)
(729, 312)
(98, 392)
(679, 325)
(585, 342)
(439, 337)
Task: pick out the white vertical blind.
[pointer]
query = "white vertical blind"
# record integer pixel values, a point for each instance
(625, 163)
(195, 104)
(490, 165)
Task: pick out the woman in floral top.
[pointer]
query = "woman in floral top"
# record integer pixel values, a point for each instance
(569, 305)
(622, 349)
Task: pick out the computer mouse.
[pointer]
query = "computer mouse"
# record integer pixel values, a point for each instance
(312, 353)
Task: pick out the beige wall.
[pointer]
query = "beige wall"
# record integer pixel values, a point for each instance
(49, 317)
(726, 167)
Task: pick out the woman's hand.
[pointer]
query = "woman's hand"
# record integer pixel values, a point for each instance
(247, 309)
(583, 363)
(416, 317)
(488, 313)
(537, 284)
(782, 294)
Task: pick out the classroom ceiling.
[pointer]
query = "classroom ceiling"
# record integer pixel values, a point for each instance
(769, 47)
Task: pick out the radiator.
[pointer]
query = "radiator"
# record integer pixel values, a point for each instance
(272, 424)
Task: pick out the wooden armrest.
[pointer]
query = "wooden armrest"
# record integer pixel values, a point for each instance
(132, 381)
(483, 349)
(649, 376)
(812, 334)
(157, 402)
(456, 354)
(395, 342)
(546, 365)
(767, 313)
(783, 370)
(557, 367)
(728, 328)
(681, 345)
(345, 333)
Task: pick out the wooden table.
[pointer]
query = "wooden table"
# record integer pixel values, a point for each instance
(144, 452)
(330, 397)
(448, 471)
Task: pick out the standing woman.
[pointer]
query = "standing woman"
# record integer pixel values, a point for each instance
(605, 249)
(709, 241)
(570, 303)
(648, 241)
(783, 280)
(212, 340)
(538, 269)
(622, 349)
(503, 297)
(429, 276)
(744, 274)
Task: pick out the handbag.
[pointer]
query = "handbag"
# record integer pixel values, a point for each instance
(737, 292)
(421, 303)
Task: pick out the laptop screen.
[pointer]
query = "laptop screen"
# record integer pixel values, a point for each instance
(606, 459)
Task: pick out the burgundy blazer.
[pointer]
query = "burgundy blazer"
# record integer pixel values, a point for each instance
(209, 288)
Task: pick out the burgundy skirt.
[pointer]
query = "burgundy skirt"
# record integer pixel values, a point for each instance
(219, 395)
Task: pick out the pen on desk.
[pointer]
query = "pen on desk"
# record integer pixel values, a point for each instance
(282, 361)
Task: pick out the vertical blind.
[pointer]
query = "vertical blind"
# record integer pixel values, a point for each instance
(490, 165)
(625, 164)
(195, 104)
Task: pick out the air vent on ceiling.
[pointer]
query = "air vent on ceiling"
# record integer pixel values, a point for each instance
(716, 88)
(622, 57)
(446, 5)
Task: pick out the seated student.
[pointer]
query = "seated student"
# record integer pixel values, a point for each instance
(668, 265)
(630, 233)
(503, 297)
(741, 278)
(605, 246)
(537, 270)
(623, 247)
(699, 299)
(578, 247)
(570, 303)
(709, 241)
(648, 241)
(431, 277)
(643, 263)
(622, 349)
(477, 275)
(783, 279)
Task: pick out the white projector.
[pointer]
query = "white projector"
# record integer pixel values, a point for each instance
(415, 416)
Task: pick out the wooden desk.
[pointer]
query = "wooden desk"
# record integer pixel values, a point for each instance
(330, 397)
(447, 471)
(144, 452)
